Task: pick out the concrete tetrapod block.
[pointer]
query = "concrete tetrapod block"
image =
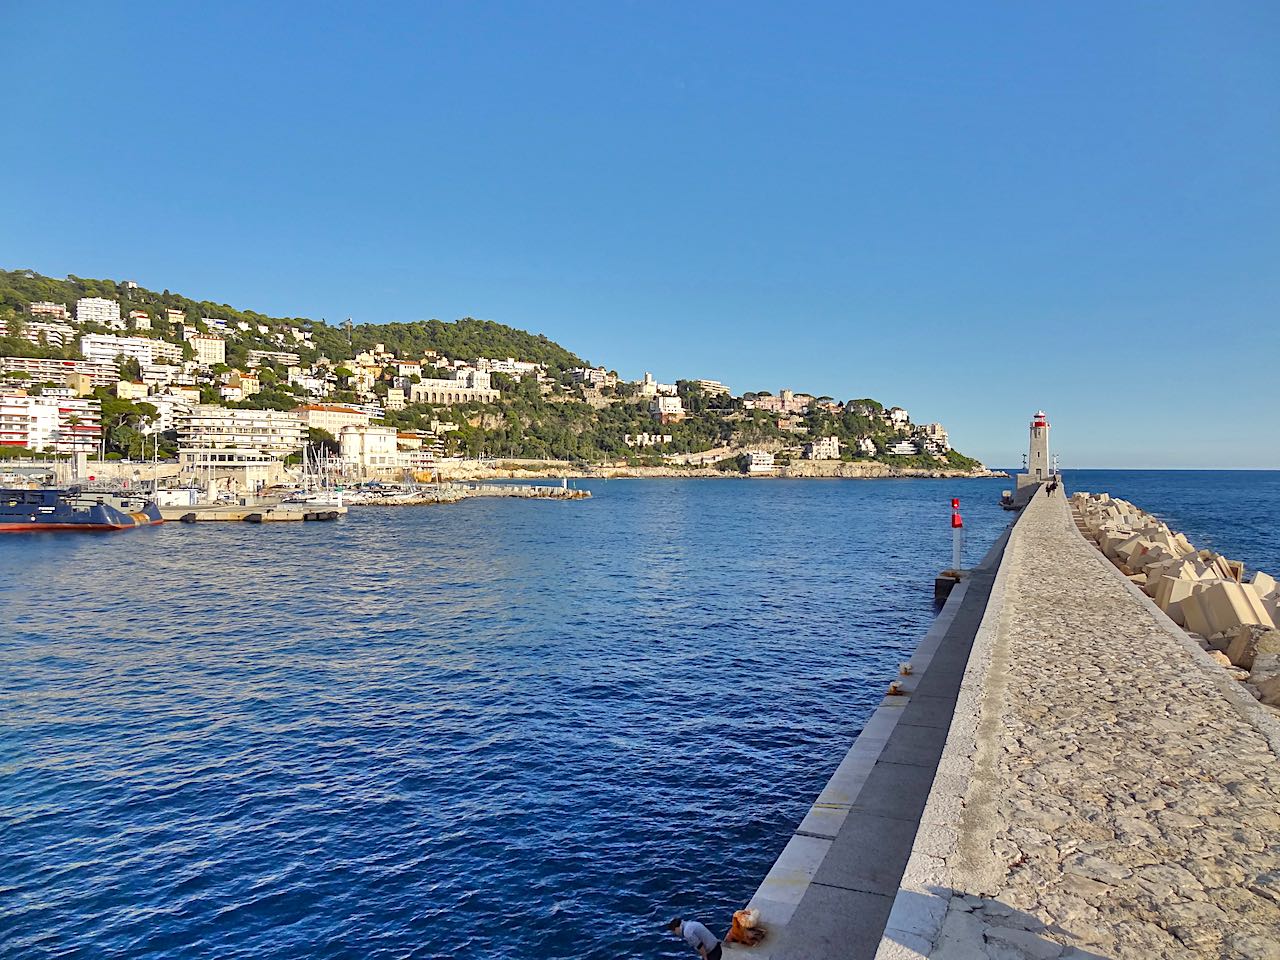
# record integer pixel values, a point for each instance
(1110, 540)
(1263, 584)
(1170, 593)
(1228, 604)
(1194, 616)
(1145, 560)
(1127, 548)
(1133, 549)
(1188, 568)
(1159, 568)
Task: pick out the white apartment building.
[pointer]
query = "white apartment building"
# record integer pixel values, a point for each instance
(512, 367)
(904, 448)
(169, 406)
(866, 446)
(898, 417)
(331, 417)
(712, 388)
(54, 421)
(759, 461)
(316, 386)
(245, 446)
(48, 310)
(98, 310)
(666, 409)
(41, 331)
(823, 448)
(164, 374)
(105, 347)
(140, 319)
(934, 439)
(593, 377)
(370, 449)
(209, 348)
(56, 371)
(282, 357)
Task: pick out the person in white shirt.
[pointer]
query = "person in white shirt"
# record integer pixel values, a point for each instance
(697, 936)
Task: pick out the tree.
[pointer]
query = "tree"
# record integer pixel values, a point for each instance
(130, 368)
(322, 441)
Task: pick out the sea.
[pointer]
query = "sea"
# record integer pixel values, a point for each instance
(498, 728)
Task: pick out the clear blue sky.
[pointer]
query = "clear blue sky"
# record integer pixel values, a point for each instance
(968, 209)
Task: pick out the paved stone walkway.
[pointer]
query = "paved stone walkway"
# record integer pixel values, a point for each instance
(1120, 803)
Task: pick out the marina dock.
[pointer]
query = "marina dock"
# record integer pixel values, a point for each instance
(252, 513)
(268, 510)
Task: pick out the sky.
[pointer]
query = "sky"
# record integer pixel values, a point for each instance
(971, 210)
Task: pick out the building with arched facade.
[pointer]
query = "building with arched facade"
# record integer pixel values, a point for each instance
(472, 387)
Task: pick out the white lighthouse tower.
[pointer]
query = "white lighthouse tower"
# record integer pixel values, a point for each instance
(1038, 450)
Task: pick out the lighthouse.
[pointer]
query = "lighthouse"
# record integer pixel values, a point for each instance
(1038, 451)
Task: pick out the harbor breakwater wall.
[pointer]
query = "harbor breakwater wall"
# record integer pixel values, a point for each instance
(1071, 775)
(453, 492)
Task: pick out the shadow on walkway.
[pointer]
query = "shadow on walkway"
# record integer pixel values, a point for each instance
(977, 927)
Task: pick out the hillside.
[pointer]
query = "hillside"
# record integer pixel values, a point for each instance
(545, 414)
(466, 337)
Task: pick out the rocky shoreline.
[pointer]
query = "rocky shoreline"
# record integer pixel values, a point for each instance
(809, 469)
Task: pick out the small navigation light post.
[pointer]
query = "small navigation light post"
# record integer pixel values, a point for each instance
(947, 579)
(957, 534)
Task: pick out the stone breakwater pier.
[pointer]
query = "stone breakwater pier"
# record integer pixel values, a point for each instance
(1068, 774)
(453, 492)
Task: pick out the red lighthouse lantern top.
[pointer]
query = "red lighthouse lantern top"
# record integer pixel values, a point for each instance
(1041, 419)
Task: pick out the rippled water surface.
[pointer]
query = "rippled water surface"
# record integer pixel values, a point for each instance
(492, 729)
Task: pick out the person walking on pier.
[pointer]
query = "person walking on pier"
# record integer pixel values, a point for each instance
(697, 936)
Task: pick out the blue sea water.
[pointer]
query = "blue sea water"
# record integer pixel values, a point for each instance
(494, 729)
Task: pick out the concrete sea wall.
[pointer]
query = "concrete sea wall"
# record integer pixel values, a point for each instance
(1071, 775)
(831, 890)
(1106, 790)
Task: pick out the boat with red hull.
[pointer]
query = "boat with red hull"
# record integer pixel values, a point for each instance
(71, 508)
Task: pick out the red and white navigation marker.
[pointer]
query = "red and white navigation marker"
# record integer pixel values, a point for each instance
(957, 534)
